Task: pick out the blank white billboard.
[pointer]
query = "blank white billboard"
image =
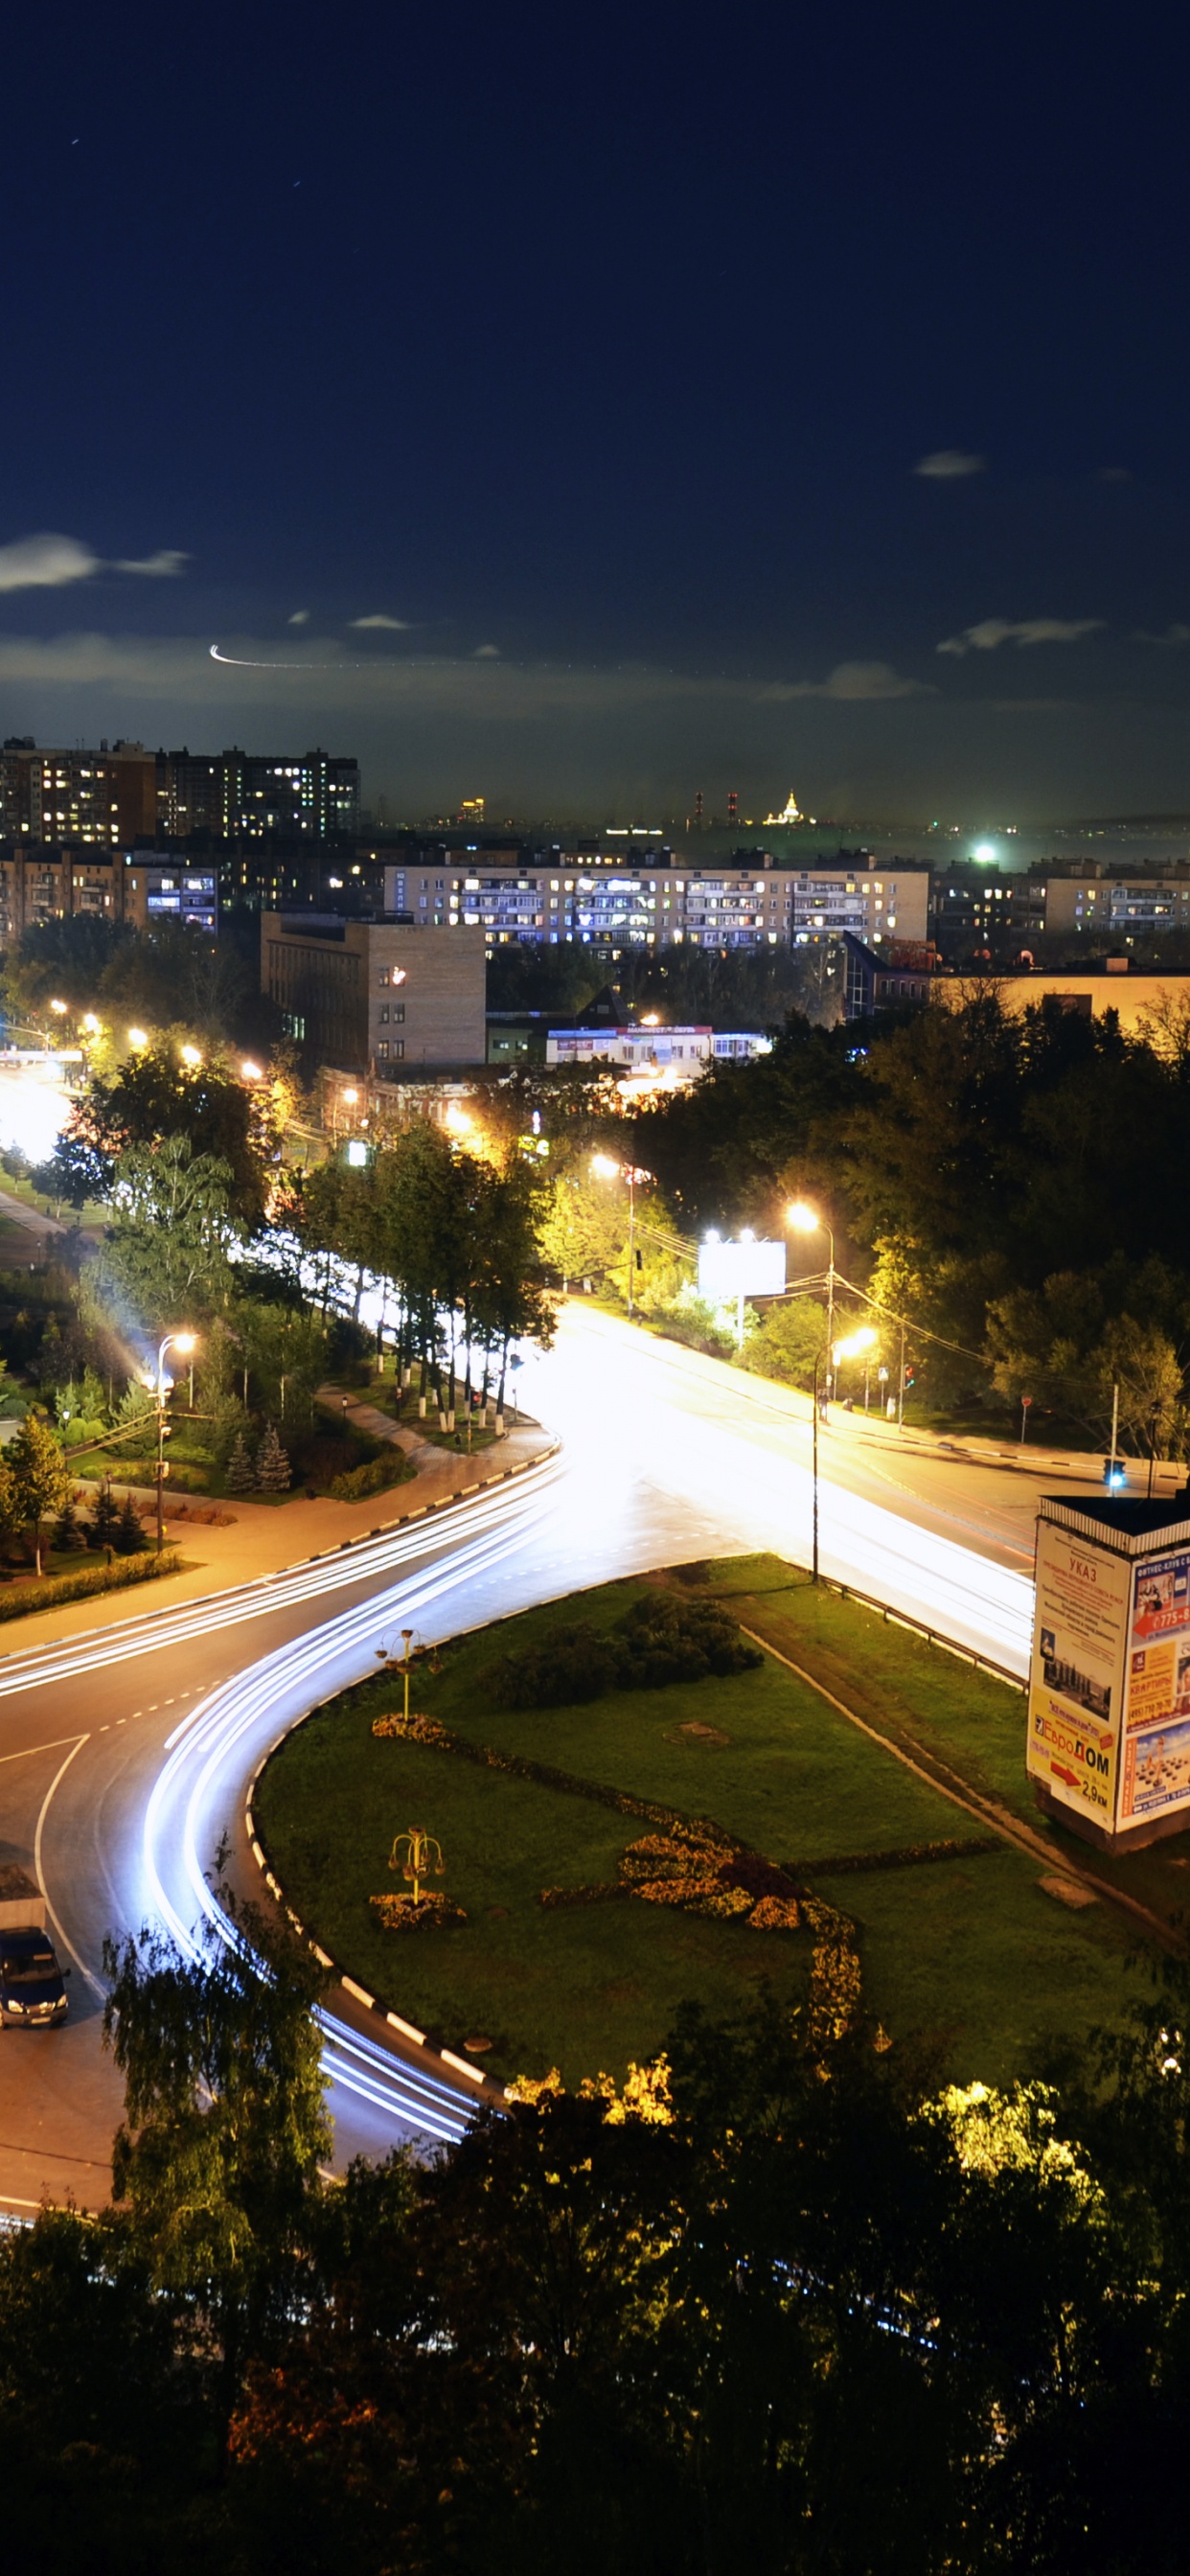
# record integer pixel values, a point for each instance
(730, 1270)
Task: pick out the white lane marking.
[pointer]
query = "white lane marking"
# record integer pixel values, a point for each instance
(60, 1774)
(50, 1747)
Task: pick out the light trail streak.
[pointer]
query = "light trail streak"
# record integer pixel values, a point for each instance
(224, 1742)
(363, 1558)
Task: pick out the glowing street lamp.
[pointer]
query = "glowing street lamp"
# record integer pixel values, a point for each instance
(804, 1219)
(138, 1038)
(605, 1168)
(91, 1024)
(172, 1342)
(59, 1010)
(192, 1056)
(250, 1072)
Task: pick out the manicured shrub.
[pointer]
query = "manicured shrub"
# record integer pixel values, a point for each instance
(391, 1468)
(662, 1638)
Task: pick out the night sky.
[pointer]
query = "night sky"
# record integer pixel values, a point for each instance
(586, 407)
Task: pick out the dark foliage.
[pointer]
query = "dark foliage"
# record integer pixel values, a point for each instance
(662, 1638)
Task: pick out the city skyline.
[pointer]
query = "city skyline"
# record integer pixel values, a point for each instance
(501, 406)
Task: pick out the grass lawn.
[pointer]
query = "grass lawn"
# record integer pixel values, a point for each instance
(968, 1955)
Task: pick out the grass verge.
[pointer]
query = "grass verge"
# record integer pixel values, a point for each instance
(967, 1954)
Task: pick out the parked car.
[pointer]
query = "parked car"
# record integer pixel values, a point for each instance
(32, 1985)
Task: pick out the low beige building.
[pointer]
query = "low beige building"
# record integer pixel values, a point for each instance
(370, 996)
(1133, 996)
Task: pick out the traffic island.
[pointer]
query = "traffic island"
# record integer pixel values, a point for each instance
(725, 1841)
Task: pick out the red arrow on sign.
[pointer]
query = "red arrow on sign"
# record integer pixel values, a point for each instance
(1070, 1777)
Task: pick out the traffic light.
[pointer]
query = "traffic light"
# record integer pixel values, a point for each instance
(1114, 1474)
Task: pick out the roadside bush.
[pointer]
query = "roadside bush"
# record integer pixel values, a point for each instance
(787, 1344)
(391, 1468)
(662, 1638)
(17, 1598)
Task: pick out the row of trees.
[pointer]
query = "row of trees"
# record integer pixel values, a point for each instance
(787, 2300)
(1006, 1181)
(449, 1237)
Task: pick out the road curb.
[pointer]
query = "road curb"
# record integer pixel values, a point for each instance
(431, 2059)
(279, 1573)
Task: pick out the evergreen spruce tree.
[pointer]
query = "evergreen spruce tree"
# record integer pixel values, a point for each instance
(101, 1528)
(67, 1533)
(273, 1471)
(239, 1477)
(130, 1536)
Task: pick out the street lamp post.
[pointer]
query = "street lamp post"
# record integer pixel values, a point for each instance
(814, 1482)
(177, 1342)
(805, 1219)
(606, 1169)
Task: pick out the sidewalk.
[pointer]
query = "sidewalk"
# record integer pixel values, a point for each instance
(267, 1538)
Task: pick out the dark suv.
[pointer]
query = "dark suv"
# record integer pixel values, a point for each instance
(31, 1986)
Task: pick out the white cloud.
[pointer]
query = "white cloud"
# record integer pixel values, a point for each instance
(45, 563)
(165, 565)
(857, 683)
(486, 653)
(393, 625)
(950, 465)
(300, 617)
(49, 562)
(1176, 634)
(994, 631)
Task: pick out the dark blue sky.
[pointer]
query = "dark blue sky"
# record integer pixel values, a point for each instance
(604, 353)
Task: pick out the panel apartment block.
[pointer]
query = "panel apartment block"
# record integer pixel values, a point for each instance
(370, 997)
(605, 903)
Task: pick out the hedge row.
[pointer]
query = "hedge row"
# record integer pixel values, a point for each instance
(20, 1598)
(372, 1478)
(905, 1856)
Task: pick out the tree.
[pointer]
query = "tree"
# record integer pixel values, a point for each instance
(273, 1471)
(788, 1342)
(129, 1537)
(40, 1476)
(225, 2128)
(67, 1533)
(165, 1260)
(238, 1475)
(101, 1529)
(154, 1098)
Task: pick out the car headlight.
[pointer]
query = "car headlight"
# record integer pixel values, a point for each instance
(15, 2006)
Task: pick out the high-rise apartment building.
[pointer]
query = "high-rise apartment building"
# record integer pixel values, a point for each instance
(237, 795)
(92, 798)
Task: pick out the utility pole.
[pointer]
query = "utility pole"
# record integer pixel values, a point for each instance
(632, 1238)
(901, 1386)
(1115, 1428)
(814, 1476)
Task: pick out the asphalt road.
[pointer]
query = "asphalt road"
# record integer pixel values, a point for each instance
(125, 1754)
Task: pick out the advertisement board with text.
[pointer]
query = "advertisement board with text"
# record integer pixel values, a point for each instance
(1156, 1768)
(1078, 1670)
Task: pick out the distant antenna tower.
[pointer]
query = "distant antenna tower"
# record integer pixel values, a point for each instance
(733, 806)
(698, 811)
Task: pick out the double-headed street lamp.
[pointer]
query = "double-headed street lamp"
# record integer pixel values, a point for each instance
(605, 1168)
(171, 1342)
(804, 1219)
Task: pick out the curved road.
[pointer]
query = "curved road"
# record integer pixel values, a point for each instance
(125, 1753)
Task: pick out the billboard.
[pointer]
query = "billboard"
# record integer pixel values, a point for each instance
(1156, 1774)
(745, 1269)
(1109, 1679)
(1077, 1673)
